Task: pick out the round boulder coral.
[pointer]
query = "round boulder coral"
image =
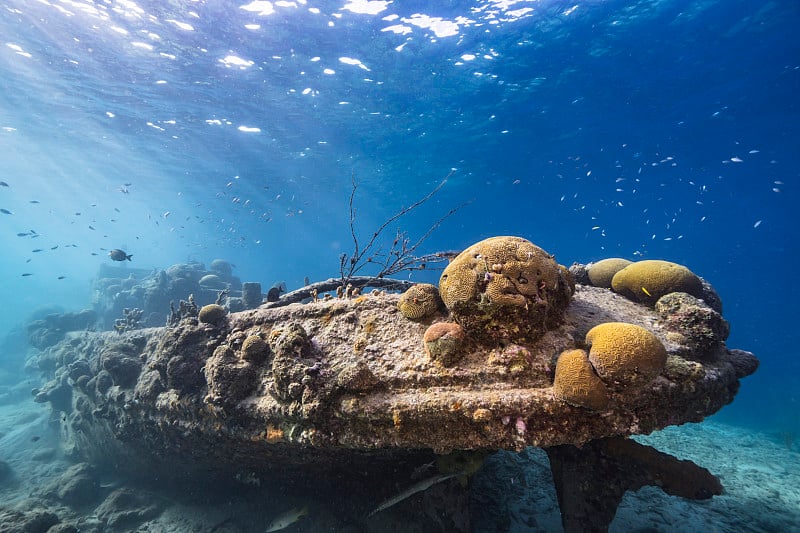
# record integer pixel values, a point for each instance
(211, 313)
(647, 281)
(602, 272)
(443, 342)
(625, 355)
(420, 301)
(577, 383)
(254, 349)
(505, 289)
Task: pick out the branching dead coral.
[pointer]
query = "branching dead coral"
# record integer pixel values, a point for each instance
(403, 253)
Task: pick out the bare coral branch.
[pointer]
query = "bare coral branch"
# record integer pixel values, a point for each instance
(402, 255)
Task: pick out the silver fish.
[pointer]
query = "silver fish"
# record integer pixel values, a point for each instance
(287, 518)
(420, 486)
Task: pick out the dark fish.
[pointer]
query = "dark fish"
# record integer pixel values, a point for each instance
(274, 294)
(77, 213)
(94, 253)
(22, 234)
(61, 277)
(37, 250)
(35, 438)
(117, 210)
(6, 212)
(3, 184)
(54, 247)
(27, 274)
(118, 255)
(33, 201)
(91, 228)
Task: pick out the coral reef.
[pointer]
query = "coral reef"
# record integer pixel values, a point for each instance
(505, 289)
(647, 281)
(602, 272)
(129, 321)
(420, 302)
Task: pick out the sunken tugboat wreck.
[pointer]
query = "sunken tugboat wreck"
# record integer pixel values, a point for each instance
(358, 391)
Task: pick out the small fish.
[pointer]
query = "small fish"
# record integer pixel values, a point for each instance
(22, 234)
(6, 212)
(3, 184)
(94, 253)
(61, 277)
(26, 274)
(36, 250)
(119, 255)
(91, 228)
(33, 201)
(647, 292)
(287, 518)
(54, 247)
(35, 438)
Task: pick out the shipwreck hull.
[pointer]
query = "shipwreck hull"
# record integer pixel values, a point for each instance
(342, 391)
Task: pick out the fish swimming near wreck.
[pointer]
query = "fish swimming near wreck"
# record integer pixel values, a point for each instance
(274, 293)
(119, 255)
(287, 518)
(420, 486)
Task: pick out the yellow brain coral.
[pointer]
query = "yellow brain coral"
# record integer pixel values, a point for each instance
(647, 281)
(507, 287)
(624, 354)
(420, 301)
(602, 272)
(576, 382)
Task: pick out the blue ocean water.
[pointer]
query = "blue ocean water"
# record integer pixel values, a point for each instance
(191, 130)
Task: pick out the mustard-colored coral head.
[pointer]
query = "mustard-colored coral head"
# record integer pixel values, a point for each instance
(625, 355)
(576, 382)
(602, 272)
(647, 281)
(420, 301)
(506, 286)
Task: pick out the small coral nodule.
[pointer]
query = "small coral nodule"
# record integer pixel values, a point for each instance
(444, 342)
(506, 288)
(211, 313)
(625, 355)
(420, 301)
(577, 383)
(254, 349)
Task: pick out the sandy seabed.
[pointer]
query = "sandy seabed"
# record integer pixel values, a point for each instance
(760, 473)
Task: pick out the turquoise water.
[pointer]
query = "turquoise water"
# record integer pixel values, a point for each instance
(188, 130)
